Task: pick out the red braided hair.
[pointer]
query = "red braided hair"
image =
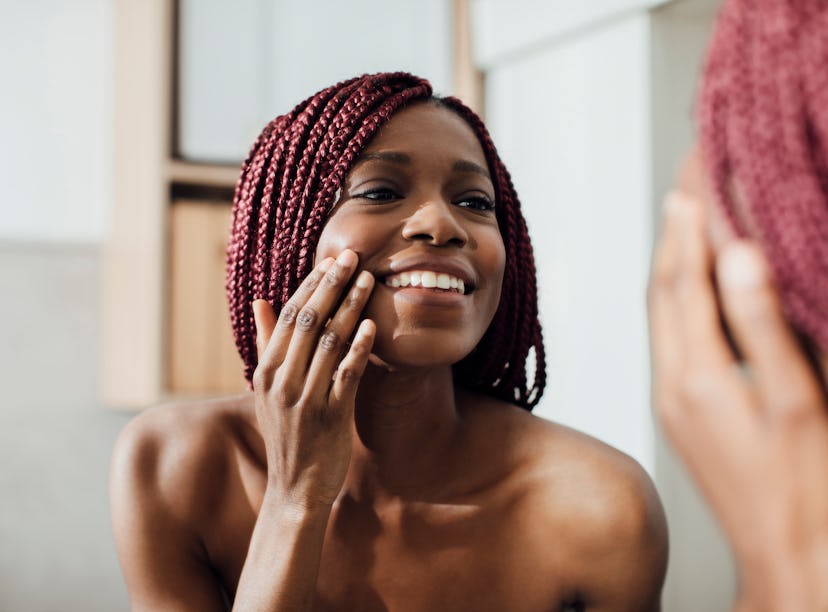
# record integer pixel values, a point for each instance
(763, 119)
(288, 186)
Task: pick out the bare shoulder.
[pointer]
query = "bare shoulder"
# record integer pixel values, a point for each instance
(604, 509)
(169, 469)
(580, 476)
(178, 452)
(589, 511)
(557, 458)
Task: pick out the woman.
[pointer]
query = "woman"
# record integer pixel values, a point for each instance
(382, 293)
(745, 242)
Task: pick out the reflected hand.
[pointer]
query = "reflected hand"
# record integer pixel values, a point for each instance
(754, 434)
(306, 381)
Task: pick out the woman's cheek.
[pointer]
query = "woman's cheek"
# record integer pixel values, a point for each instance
(332, 243)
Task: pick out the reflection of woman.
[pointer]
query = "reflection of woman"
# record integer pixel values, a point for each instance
(386, 458)
(755, 437)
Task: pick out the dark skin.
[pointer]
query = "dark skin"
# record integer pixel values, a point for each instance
(357, 476)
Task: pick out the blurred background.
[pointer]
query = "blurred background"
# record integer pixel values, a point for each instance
(122, 126)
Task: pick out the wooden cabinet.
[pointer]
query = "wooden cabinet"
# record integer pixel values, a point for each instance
(202, 356)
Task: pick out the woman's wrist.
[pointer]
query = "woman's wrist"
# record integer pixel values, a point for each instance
(293, 508)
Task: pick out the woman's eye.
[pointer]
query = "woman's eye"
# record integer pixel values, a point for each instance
(380, 194)
(480, 203)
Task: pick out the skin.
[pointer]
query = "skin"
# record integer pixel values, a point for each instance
(357, 476)
(746, 411)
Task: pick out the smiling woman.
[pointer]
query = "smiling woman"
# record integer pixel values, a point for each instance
(382, 294)
(302, 161)
(404, 199)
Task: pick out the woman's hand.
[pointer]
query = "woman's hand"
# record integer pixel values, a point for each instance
(754, 433)
(306, 381)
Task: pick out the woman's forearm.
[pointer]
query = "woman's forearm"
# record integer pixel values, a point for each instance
(282, 562)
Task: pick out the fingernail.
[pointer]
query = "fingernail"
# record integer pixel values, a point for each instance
(255, 313)
(325, 263)
(740, 266)
(678, 205)
(364, 327)
(673, 203)
(346, 258)
(363, 281)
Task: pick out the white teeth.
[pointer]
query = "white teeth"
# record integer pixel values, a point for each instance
(426, 279)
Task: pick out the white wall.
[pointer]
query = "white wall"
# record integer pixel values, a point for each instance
(582, 174)
(56, 548)
(55, 110)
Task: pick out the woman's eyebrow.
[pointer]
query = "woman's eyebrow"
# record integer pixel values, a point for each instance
(394, 157)
(388, 156)
(463, 165)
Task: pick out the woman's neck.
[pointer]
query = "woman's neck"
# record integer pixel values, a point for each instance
(407, 427)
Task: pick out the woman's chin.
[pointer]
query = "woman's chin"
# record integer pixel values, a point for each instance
(416, 352)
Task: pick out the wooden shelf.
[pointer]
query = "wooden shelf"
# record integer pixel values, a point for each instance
(213, 175)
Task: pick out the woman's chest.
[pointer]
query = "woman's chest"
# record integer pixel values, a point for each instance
(473, 556)
(374, 577)
(449, 560)
(385, 577)
(440, 558)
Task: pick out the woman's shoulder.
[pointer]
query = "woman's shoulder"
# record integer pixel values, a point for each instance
(571, 482)
(188, 429)
(597, 487)
(179, 453)
(552, 449)
(581, 506)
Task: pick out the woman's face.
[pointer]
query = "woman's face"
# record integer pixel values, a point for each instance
(418, 209)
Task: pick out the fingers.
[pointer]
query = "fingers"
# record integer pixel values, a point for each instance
(352, 366)
(313, 316)
(693, 377)
(704, 342)
(333, 340)
(307, 341)
(665, 326)
(278, 341)
(781, 372)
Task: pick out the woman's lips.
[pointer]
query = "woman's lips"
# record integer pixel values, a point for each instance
(427, 270)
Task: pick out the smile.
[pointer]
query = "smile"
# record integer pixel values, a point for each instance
(427, 280)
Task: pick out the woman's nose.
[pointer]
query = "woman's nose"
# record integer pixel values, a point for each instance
(435, 222)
